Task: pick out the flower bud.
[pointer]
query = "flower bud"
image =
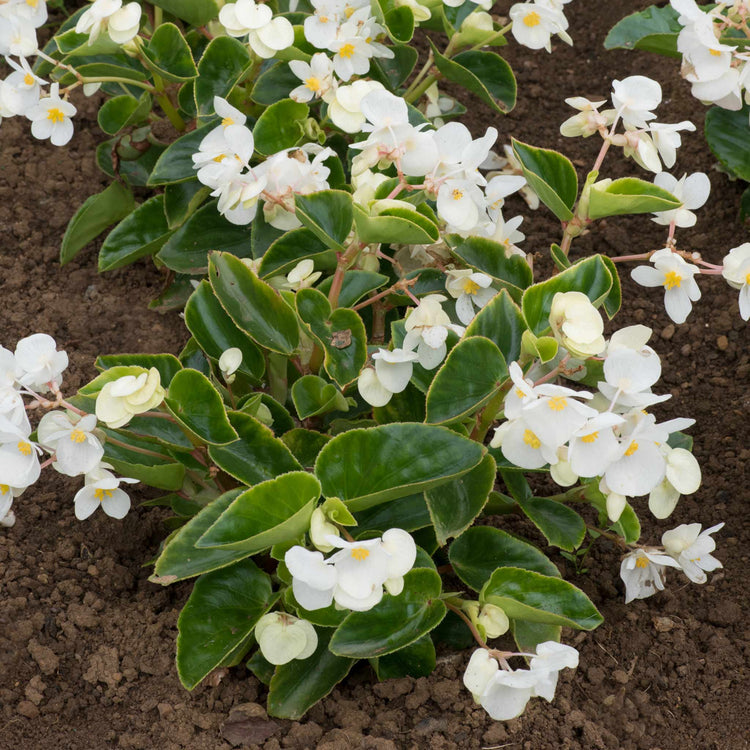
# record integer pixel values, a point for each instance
(282, 637)
(494, 621)
(577, 324)
(229, 362)
(127, 396)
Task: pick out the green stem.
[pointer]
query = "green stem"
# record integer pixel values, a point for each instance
(488, 415)
(478, 638)
(416, 94)
(134, 448)
(117, 79)
(157, 17)
(500, 33)
(165, 103)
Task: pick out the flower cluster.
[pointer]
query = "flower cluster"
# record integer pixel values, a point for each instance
(121, 23)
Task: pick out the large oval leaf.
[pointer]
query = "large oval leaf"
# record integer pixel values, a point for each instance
(501, 321)
(653, 30)
(628, 195)
(489, 257)
(727, 136)
(561, 525)
(328, 214)
(175, 164)
(280, 126)
(221, 66)
(168, 55)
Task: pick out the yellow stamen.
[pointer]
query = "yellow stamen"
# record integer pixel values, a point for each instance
(590, 438)
(220, 158)
(29, 79)
(313, 84)
(632, 448)
(55, 115)
(531, 439)
(323, 19)
(348, 11)
(4, 489)
(747, 278)
(557, 403)
(672, 279)
(714, 52)
(457, 194)
(520, 393)
(227, 121)
(360, 553)
(532, 19)
(24, 448)
(470, 287)
(32, 3)
(100, 494)
(641, 562)
(77, 436)
(347, 50)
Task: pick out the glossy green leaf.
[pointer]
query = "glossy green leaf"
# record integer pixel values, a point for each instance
(627, 525)
(254, 306)
(526, 595)
(393, 72)
(654, 29)
(167, 364)
(561, 525)
(395, 225)
(305, 444)
(181, 199)
(161, 431)
(407, 406)
(489, 257)
(195, 12)
(480, 550)
(176, 163)
(300, 684)
(219, 617)
(551, 175)
(123, 112)
(220, 68)
(328, 214)
(73, 44)
(313, 396)
(483, 73)
(141, 233)
(186, 251)
(728, 136)
(119, 66)
(454, 505)
(414, 660)
(528, 635)
(628, 196)
(164, 473)
(268, 513)
(96, 213)
(292, 247)
(500, 321)
(366, 467)
(257, 456)
(133, 171)
(340, 332)
(274, 84)
(327, 617)
(168, 55)
(215, 331)
(356, 285)
(280, 126)
(407, 513)
(396, 622)
(197, 405)
(471, 375)
(398, 20)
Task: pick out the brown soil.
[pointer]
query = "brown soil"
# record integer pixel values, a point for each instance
(86, 643)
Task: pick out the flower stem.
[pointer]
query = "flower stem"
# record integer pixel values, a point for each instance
(478, 638)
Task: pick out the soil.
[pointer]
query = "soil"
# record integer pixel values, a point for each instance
(87, 644)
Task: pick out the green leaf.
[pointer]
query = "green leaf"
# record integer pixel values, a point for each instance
(395, 225)
(526, 595)
(220, 68)
(559, 258)
(340, 332)
(415, 660)
(305, 444)
(142, 232)
(313, 396)
(95, 214)
(590, 276)
(355, 285)
(396, 622)
(393, 72)
(561, 525)
(181, 199)
(398, 20)
(489, 257)
(164, 473)
(453, 506)
(257, 456)
(165, 433)
(268, 513)
(119, 66)
(195, 12)
(485, 74)
(479, 551)
(300, 684)
(167, 364)
(328, 214)
(215, 331)
(407, 513)
(528, 635)
(366, 467)
(627, 525)
(123, 112)
(219, 617)
(133, 171)
(167, 54)
(551, 175)
(280, 126)
(292, 247)
(727, 134)
(181, 559)
(500, 321)
(255, 307)
(186, 251)
(652, 30)
(628, 196)
(197, 405)
(176, 163)
(274, 84)
(471, 375)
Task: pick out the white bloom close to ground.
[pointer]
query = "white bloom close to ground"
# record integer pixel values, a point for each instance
(693, 190)
(282, 638)
(469, 288)
(692, 549)
(39, 361)
(102, 488)
(642, 572)
(736, 272)
(76, 449)
(50, 118)
(121, 399)
(634, 97)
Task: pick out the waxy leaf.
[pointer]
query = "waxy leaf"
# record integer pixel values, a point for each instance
(396, 622)
(181, 199)
(328, 214)
(292, 247)
(366, 467)
(414, 660)
(269, 513)
(197, 405)
(652, 30)
(167, 364)
(528, 635)
(401, 225)
(175, 164)
(280, 126)
(727, 137)
(479, 551)
(254, 306)
(471, 375)
(526, 595)
(164, 473)
(392, 72)
(168, 55)
(313, 396)
(220, 68)
(121, 112)
(552, 177)
(500, 321)
(356, 284)
(407, 513)
(561, 525)
(274, 84)
(305, 444)
(257, 456)
(489, 257)
(195, 12)
(300, 684)
(628, 196)
(219, 618)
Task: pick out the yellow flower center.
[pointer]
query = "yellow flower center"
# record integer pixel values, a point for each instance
(220, 158)
(532, 19)
(470, 287)
(715, 52)
(100, 494)
(313, 84)
(28, 79)
(747, 277)
(531, 439)
(32, 3)
(24, 448)
(55, 115)
(360, 553)
(520, 393)
(632, 448)
(77, 436)
(227, 121)
(457, 194)
(348, 11)
(323, 19)
(347, 50)
(590, 438)
(672, 279)
(557, 403)
(641, 562)
(4, 489)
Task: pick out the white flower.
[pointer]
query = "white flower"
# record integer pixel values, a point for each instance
(692, 191)
(427, 330)
(229, 362)
(736, 272)
(7, 516)
(522, 446)
(93, 20)
(39, 361)
(588, 120)
(534, 24)
(676, 276)
(50, 118)
(355, 576)
(594, 446)
(551, 657)
(282, 638)
(266, 35)
(469, 288)
(630, 373)
(102, 488)
(19, 457)
(506, 233)
(321, 529)
(634, 97)
(77, 450)
(682, 477)
(394, 368)
(460, 203)
(498, 189)
(20, 91)
(344, 109)
(124, 24)
(371, 389)
(577, 324)
(317, 77)
(121, 399)
(494, 621)
(667, 139)
(642, 572)
(692, 549)
(556, 414)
